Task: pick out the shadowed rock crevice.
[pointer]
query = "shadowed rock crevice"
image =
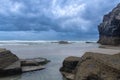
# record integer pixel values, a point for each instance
(93, 77)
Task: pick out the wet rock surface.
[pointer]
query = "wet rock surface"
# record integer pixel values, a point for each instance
(34, 61)
(33, 64)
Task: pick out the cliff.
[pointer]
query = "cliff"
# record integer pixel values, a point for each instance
(109, 29)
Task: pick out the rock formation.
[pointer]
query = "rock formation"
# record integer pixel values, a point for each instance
(98, 67)
(109, 29)
(93, 66)
(33, 64)
(69, 66)
(10, 64)
(63, 42)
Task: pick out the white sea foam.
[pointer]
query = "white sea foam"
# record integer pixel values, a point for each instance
(33, 42)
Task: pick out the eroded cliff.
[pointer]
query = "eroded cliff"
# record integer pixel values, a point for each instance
(109, 29)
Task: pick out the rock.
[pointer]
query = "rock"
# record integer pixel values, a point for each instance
(89, 42)
(69, 66)
(68, 76)
(63, 42)
(32, 68)
(34, 61)
(33, 64)
(109, 29)
(93, 66)
(98, 67)
(9, 63)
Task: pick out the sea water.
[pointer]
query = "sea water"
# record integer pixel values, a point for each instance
(47, 49)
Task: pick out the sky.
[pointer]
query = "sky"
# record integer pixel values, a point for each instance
(52, 19)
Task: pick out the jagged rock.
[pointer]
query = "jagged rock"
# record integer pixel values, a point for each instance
(95, 66)
(109, 29)
(9, 63)
(69, 66)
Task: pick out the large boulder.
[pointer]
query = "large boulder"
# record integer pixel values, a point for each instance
(93, 66)
(69, 66)
(109, 29)
(9, 63)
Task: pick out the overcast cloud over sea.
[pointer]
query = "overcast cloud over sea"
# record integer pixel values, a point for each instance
(52, 19)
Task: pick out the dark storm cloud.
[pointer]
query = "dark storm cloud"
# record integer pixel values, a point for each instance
(64, 17)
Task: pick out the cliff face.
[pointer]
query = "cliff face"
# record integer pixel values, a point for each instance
(109, 29)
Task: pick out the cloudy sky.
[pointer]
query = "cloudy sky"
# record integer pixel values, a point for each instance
(52, 19)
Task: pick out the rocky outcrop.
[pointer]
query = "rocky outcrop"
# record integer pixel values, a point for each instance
(109, 29)
(69, 66)
(10, 64)
(96, 66)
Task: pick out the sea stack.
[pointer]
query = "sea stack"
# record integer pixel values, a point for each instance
(109, 29)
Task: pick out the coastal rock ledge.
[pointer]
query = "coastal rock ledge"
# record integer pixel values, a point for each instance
(10, 64)
(92, 66)
(109, 29)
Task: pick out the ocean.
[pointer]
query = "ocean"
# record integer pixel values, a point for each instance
(47, 49)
